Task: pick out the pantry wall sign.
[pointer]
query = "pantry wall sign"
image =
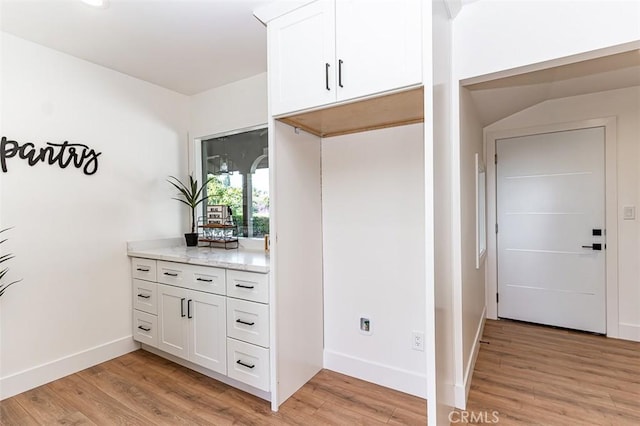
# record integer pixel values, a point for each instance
(63, 155)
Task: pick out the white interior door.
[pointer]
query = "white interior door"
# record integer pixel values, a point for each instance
(550, 209)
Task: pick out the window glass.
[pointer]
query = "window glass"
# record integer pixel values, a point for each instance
(238, 167)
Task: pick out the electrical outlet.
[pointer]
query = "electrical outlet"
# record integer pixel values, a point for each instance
(417, 341)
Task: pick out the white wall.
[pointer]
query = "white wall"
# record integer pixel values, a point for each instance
(493, 35)
(237, 105)
(472, 280)
(73, 307)
(624, 104)
(373, 236)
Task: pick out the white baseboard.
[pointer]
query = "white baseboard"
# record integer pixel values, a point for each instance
(37, 376)
(629, 332)
(461, 391)
(384, 375)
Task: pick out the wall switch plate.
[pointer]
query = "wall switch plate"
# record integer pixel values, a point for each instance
(629, 213)
(417, 341)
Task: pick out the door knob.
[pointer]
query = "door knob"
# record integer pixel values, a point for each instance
(595, 246)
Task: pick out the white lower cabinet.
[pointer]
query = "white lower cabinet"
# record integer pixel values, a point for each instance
(248, 363)
(192, 325)
(184, 310)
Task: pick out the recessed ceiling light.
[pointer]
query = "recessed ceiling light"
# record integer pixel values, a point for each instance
(102, 4)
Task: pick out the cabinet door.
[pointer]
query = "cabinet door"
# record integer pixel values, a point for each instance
(172, 320)
(302, 58)
(378, 46)
(207, 330)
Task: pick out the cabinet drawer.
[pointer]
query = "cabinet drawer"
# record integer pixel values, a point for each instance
(171, 273)
(248, 364)
(143, 269)
(248, 321)
(145, 296)
(205, 278)
(248, 285)
(145, 328)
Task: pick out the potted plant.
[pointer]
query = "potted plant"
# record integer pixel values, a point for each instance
(190, 195)
(3, 272)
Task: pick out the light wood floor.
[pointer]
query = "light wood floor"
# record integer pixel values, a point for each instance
(534, 375)
(529, 375)
(142, 389)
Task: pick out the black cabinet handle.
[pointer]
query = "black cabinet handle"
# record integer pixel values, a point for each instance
(244, 322)
(326, 75)
(340, 72)
(145, 296)
(204, 279)
(142, 269)
(171, 274)
(595, 246)
(245, 365)
(144, 328)
(244, 286)
(189, 308)
(182, 307)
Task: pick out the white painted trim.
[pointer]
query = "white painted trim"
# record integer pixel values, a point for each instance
(209, 373)
(37, 376)
(381, 374)
(462, 390)
(629, 332)
(611, 209)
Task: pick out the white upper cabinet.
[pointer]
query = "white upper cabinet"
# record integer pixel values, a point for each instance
(302, 58)
(330, 51)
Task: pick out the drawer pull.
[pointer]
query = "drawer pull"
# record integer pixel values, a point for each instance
(182, 307)
(142, 269)
(145, 296)
(204, 279)
(244, 322)
(144, 328)
(244, 286)
(171, 274)
(245, 365)
(189, 309)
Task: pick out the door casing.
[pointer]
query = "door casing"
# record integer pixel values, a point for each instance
(611, 211)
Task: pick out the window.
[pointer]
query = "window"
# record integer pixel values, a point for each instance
(238, 167)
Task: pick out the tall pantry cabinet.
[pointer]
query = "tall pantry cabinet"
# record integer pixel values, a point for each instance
(334, 67)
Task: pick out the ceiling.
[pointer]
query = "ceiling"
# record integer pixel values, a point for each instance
(500, 98)
(188, 46)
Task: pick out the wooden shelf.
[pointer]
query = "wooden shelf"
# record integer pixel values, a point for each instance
(396, 109)
(216, 226)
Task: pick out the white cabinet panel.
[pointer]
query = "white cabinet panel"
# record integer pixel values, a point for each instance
(143, 269)
(248, 321)
(378, 46)
(172, 326)
(171, 273)
(302, 58)
(248, 285)
(145, 296)
(248, 364)
(145, 328)
(207, 331)
(205, 278)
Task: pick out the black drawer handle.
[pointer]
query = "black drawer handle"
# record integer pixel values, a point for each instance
(245, 365)
(171, 274)
(245, 323)
(182, 307)
(204, 280)
(142, 269)
(244, 286)
(144, 328)
(340, 62)
(145, 296)
(189, 308)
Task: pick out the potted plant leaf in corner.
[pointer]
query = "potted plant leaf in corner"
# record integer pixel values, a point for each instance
(190, 195)
(3, 272)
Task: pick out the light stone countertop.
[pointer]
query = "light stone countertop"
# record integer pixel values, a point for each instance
(170, 250)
